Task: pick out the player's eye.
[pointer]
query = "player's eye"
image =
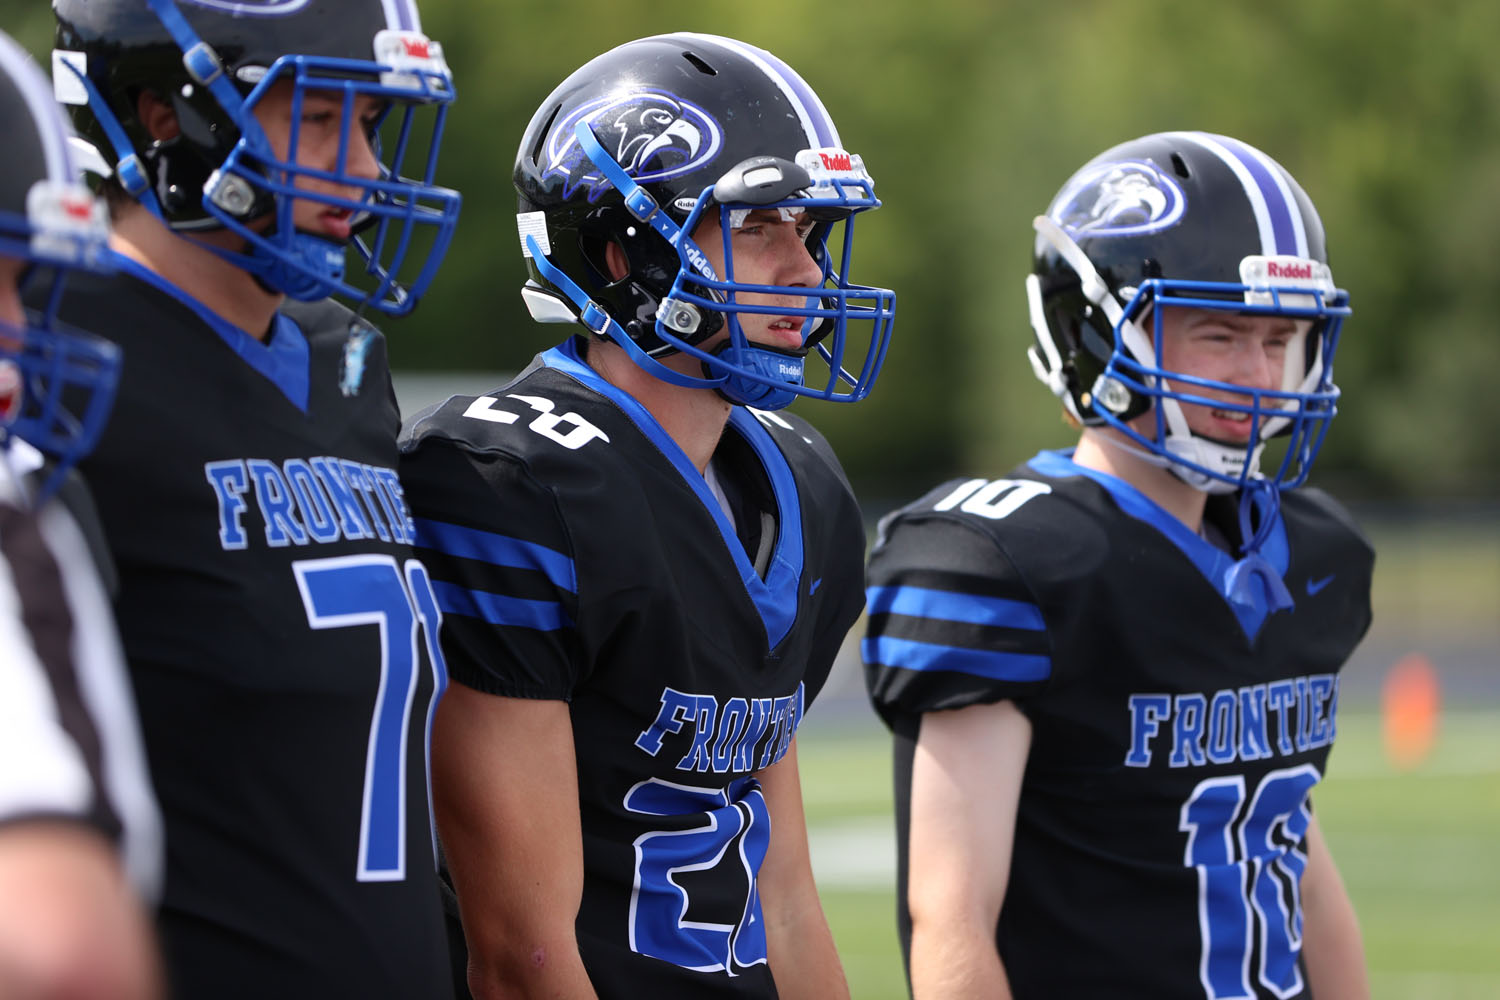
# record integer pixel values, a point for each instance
(373, 118)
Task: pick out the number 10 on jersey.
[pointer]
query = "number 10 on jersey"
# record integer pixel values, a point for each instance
(1249, 877)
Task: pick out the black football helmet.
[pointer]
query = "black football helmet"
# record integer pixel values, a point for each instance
(213, 62)
(56, 384)
(634, 149)
(1185, 219)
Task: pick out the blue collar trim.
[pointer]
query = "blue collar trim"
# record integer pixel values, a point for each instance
(284, 360)
(776, 596)
(1251, 600)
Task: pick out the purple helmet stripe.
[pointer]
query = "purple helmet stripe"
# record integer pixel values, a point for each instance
(1261, 196)
(816, 123)
(1278, 199)
(401, 15)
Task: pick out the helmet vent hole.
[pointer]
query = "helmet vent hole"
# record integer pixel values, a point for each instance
(541, 136)
(1180, 166)
(702, 66)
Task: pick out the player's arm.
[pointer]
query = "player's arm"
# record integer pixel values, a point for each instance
(1332, 947)
(798, 942)
(505, 791)
(70, 924)
(965, 788)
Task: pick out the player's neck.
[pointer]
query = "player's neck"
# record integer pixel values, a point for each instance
(232, 293)
(694, 418)
(1158, 483)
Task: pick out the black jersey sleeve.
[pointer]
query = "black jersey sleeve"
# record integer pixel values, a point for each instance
(950, 620)
(502, 569)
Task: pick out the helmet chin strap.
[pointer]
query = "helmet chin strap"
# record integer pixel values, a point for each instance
(769, 364)
(311, 269)
(1230, 461)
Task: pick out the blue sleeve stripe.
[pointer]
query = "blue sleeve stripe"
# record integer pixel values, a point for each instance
(948, 605)
(498, 550)
(544, 616)
(909, 654)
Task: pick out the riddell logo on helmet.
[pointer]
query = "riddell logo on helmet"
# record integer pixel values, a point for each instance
(417, 48)
(78, 208)
(1275, 270)
(10, 392)
(836, 161)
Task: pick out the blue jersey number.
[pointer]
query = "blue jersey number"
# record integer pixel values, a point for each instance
(736, 832)
(1249, 878)
(349, 591)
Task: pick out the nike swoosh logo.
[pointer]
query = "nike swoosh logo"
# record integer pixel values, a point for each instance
(815, 585)
(1313, 586)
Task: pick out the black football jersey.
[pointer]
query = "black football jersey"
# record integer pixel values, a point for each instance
(1178, 723)
(281, 637)
(578, 555)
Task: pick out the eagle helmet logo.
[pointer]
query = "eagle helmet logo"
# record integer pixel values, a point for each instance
(1120, 198)
(653, 136)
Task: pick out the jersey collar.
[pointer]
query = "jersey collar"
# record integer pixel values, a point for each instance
(283, 360)
(775, 597)
(1231, 578)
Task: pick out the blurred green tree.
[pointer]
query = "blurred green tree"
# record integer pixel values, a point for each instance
(970, 114)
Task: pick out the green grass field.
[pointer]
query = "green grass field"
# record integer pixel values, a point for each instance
(1420, 852)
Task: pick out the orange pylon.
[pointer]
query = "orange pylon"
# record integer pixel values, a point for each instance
(1411, 709)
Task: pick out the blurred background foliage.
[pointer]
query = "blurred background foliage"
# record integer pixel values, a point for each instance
(970, 114)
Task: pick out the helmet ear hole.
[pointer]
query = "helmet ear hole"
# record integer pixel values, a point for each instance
(616, 266)
(157, 116)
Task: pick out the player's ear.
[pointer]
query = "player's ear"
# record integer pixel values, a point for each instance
(158, 117)
(615, 261)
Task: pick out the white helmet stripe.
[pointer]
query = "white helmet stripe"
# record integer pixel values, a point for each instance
(817, 125)
(1276, 213)
(51, 126)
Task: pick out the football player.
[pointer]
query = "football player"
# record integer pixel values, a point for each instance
(79, 831)
(280, 634)
(645, 568)
(1112, 673)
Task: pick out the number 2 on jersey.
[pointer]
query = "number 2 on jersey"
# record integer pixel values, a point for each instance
(1263, 845)
(349, 591)
(660, 926)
